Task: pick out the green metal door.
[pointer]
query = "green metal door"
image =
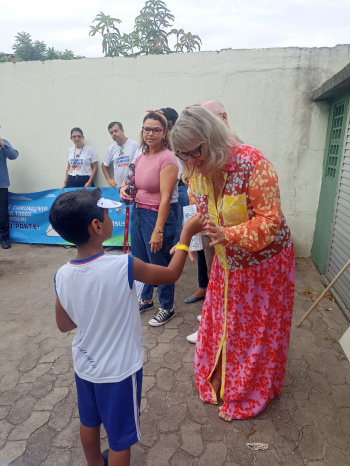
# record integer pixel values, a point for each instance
(333, 153)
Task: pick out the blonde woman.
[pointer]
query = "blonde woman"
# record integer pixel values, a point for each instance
(243, 338)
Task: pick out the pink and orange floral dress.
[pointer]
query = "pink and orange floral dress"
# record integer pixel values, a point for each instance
(247, 312)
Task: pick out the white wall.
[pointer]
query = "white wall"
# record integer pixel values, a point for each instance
(267, 94)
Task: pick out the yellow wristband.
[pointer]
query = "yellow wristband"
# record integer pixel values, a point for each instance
(183, 247)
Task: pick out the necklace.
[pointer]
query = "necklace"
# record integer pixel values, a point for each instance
(76, 156)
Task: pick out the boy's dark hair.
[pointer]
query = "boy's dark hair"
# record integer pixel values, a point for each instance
(113, 123)
(72, 212)
(76, 130)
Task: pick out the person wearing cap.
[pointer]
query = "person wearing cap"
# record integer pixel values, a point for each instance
(6, 152)
(119, 154)
(96, 294)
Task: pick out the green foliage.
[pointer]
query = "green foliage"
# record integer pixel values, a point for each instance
(149, 37)
(27, 50)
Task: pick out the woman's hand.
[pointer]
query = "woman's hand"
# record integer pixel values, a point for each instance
(64, 185)
(156, 241)
(123, 195)
(87, 185)
(216, 234)
(112, 183)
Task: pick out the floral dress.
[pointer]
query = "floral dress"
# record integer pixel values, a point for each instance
(247, 312)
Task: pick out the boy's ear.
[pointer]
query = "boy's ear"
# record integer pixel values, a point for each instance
(95, 226)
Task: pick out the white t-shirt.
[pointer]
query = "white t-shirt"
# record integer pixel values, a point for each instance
(121, 156)
(99, 295)
(80, 160)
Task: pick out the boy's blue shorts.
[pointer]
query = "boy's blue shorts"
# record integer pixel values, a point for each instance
(115, 405)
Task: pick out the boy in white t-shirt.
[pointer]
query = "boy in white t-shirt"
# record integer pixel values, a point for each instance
(96, 293)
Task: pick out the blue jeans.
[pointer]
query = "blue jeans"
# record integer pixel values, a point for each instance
(142, 224)
(181, 202)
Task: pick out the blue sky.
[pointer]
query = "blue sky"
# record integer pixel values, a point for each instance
(237, 24)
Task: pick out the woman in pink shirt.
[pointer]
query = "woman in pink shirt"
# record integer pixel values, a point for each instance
(153, 226)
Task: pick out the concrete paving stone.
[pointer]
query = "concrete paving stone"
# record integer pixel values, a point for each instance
(148, 382)
(154, 330)
(197, 409)
(5, 429)
(21, 409)
(319, 382)
(305, 414)
(332, 433)
(185, 329)
(58, 457)
(64, 380)
(341, 396)
(69, 437)
(138, 455)
(29, 361)
(344, 420)
(301, 388)
(172, 418)
(11, 396)
(285, 401)
(336, 457)
(160, 350)
(238, 452)
(314, 361)
(214, 453)
(215, 429)
(333, 323)
(43, 385)
(319, 328)
(10, 379)
(38, 448)
(157, 401)
(181, 458)
(163, 450)
(242, 425)
(165, 379)
(323, 403)
(287, 451)
(144, 405)
(189, 356)
(66, 340)
(186, 372)
(284, 424)
(53, 355)
(35, 373)
(149, 428)
(149, 340)
(172, 360)
(62, 413)
(311, 443)
(51, 399)
(175, 322)
(152, 365)
(191, 438)
(167, 335)
(317, 463)
(330, 358)
(180, 393)
(4, 410)
(62, 364)
(180, 345)
(264, 431)
(12, 451)
(30, 425)
(47, 345)
(266, 458)
(297, 368)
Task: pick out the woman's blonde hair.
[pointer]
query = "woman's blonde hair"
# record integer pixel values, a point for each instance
(195, 127)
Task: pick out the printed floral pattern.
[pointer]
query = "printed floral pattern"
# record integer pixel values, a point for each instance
(247, 312)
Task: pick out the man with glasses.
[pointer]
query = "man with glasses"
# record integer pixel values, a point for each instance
(6, 152)
(121, 153)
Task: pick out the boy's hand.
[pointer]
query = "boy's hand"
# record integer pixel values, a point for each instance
(195, 224)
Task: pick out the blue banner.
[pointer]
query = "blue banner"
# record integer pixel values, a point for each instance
(29, 217)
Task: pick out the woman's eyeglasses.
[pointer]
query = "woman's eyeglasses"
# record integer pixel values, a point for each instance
(195, 153)
(148, 130)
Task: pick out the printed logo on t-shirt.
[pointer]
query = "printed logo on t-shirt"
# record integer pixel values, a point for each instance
(76, 164)
(123, 161)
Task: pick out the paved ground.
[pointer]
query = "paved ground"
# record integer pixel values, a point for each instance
(308, 425)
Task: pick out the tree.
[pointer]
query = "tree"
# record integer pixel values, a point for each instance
(27, 50)
(149, 37)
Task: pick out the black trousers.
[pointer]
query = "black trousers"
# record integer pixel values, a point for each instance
(78, 181)
(4, 214)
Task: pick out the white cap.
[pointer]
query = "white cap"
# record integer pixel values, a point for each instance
(108, 204)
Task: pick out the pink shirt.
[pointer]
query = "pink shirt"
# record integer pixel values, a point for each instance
(147, 176)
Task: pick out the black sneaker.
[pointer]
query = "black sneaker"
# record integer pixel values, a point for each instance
(162, 317)
(5, 243)
(145, 306)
